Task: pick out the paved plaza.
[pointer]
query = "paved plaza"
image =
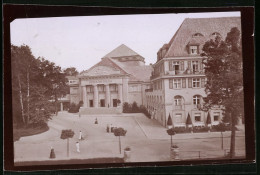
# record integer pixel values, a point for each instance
(146, 137)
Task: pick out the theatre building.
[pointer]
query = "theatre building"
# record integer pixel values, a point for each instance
(121, 76)
(178, 79)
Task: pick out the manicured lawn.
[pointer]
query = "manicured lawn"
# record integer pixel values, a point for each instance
(28, 131)
(72, 161)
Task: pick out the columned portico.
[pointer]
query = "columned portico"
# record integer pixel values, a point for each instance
(85, 97)
(107, 95)
(95, 96)
(120, 92)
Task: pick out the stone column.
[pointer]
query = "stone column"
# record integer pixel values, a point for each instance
(85, 98)
(120, 93)
(61, 106)
(125, 89)
(107, 96)
(95, 96)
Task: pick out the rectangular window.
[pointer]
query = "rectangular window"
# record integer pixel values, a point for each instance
(177, 83)
(101, 88)
(195, 66)
(89, 88)
(113, 87)
(195, 82)
(216, 116)
(193, 50)
(184, 83)
(176, 66)
(197, 117)
(170, 83)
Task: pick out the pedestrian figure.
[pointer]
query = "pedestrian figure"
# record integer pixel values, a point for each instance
(108, 129)
(52, 154)
(77, 146)
(80, 135)
(111, 128)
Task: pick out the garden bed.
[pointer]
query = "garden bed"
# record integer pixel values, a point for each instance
(29, 131)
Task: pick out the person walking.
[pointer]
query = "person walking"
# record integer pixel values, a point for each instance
(80, 135)
(77, 146)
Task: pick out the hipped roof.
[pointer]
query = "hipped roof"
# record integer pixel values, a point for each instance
(205, 26)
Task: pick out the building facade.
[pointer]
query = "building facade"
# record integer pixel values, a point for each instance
(121, 76)
(178, 78)
(174, 86)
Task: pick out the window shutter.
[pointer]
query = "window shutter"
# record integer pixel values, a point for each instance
(182, 65)
(170, 83)
(190, 83)
(203, 82)
(170, 65)
(201, 65)
(184, 83)
(189, 63)
(198, 49)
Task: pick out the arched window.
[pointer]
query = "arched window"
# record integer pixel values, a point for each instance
(178, 102)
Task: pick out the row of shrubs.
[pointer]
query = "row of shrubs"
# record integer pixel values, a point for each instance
(134, 108)
(198, 129)
(74, 108)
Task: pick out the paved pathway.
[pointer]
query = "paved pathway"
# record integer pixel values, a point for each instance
(147, 138)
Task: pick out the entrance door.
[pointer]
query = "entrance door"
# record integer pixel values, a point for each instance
(114, 102)
(102, 102)
(91, 103)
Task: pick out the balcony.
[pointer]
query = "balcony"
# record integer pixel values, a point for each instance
(148, 90)
(186, 72)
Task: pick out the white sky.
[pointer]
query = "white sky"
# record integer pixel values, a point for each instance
(81, 42)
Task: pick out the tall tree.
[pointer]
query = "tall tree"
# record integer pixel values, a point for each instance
(34, 83)
(23, 70)
(223, 69)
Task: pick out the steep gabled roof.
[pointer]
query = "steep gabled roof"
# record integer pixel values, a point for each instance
(205, 26)
(121, 51)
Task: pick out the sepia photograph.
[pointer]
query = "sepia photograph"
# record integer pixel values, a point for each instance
(127, 88)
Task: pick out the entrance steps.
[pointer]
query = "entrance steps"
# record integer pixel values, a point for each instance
(100, 110)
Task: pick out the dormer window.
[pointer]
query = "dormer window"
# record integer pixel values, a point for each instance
(197, 35)
(215, 34)
(194, 50)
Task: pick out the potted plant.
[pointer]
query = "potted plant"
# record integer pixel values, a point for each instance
(189, 123)
(208, 122)
(169, 122)
(67, 134)
(127, 152)
(119, 132)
